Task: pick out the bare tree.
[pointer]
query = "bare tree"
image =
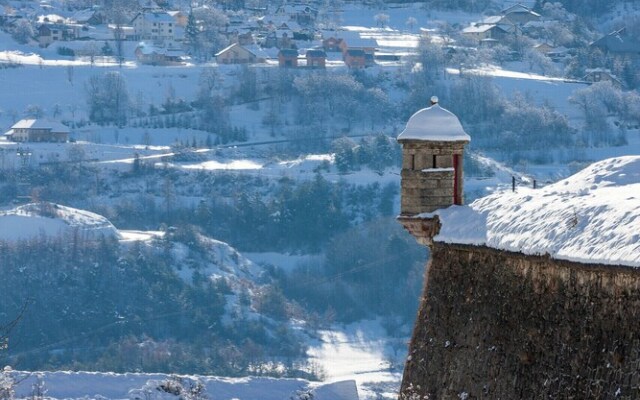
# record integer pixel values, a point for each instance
(6, 329)
(381, 19)
(411, 23)
(108, 98)
(23, 31)
(70, 74)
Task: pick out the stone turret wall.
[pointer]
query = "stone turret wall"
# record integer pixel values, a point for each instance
(502, 325)
(424, 191)
(428, 175)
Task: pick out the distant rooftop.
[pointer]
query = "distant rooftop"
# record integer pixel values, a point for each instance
(618, 42)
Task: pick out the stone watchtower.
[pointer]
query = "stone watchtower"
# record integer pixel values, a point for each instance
(432, 174)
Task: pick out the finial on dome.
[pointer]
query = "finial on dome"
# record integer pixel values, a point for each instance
(434, 100)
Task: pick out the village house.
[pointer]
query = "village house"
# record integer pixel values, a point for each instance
(485, 31)
(555, 53)
(243, 38)
(237, 54)
(88, 16)
(619, 44)
(55, 32)
(493, 29)
(37, 130)
(276, 32)
(519, 14)
(331, 44)
(353, 40)
(152, 55)
(602, 75)
(48, 34)
(543, 48)
(316, 58)
(343, 40)
(288, 58)
(300, 13)
(355, 49)
(355, 58)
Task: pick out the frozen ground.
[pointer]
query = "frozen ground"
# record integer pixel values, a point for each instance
(362, 352)
(353, 360)
(97, 385)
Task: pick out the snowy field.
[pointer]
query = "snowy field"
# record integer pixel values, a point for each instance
(138, 386)
(361, 352)
(353, 359)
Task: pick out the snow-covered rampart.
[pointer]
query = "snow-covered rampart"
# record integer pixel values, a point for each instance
(590, 217)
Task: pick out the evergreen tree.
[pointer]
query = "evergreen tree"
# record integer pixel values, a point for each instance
(106, 49)
(191, 33)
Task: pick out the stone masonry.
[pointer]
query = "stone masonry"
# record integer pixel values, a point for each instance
(428, 175)
(500, 325)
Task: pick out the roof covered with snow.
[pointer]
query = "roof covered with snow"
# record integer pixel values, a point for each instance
(40, 124)
(158, 16)
(618, 42)
(519, 8)
(591, 217)
(434, 124)
(482, 28)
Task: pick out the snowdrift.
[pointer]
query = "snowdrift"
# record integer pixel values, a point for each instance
(591, 217)
(49, 219)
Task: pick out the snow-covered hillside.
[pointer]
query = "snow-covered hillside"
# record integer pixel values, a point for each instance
(34, 219)
(592, 216)
(351, 359)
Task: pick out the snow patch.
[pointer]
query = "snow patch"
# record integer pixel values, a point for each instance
(107, 385)
(48, 219)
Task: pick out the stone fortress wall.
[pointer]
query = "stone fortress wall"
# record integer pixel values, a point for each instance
(501, 325)
(495, 324)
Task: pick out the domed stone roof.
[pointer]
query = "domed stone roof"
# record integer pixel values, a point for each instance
(434, 124)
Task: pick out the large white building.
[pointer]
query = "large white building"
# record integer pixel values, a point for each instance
(38, 130)
(157, 27)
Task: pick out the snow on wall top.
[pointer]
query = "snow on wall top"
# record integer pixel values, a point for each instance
(35, 219)
(434, 123)
(591, 217)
